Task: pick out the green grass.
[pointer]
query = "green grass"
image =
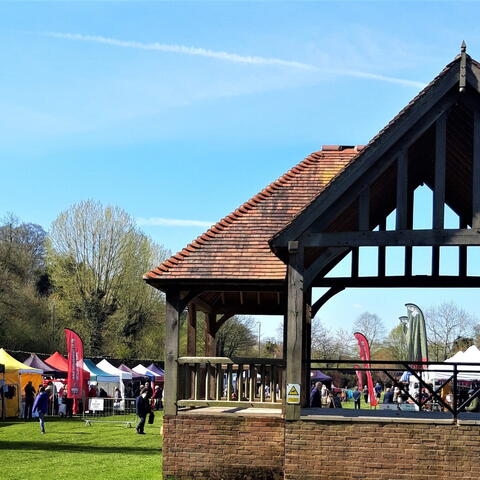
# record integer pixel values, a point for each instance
(70, 450)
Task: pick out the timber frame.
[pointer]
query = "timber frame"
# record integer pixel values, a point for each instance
(434, 141)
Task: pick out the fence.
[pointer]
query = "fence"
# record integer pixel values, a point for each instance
(447, 386)
(109, 410)
(223, 381)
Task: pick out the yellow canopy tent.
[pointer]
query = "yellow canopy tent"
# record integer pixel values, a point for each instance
(17, 375)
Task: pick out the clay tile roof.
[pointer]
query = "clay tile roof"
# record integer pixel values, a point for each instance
(237, 246)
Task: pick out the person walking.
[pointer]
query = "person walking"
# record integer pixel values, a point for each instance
(41, 407)
(29, 399)
(142, 407)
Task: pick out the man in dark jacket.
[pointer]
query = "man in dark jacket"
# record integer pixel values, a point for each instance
(388, 397)
(29, 399)
(143, 409)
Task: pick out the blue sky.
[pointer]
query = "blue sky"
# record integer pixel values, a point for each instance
(182, 111)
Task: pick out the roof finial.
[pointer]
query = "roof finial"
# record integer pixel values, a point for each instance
(462, 83)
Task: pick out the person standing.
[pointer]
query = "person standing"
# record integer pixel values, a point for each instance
(356, 398)
(41, 406)
(29, 399)
(315, 396)
(365, 393)
(142, 407)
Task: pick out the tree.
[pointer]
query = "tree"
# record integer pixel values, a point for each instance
(96, 258)
(371, 325)
(24, 312)
(323, 344)
(396, 344)
(235, 337)
(445, 324)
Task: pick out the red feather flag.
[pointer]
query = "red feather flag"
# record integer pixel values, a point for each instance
(75, 364)
(365, 357)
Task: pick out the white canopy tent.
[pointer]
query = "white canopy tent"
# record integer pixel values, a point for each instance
(106, 366)
(145, 371)
(104, 380)
(465, 372)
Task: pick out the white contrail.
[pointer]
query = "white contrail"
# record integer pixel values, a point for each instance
(202, 52)
(231, 57)
(172, 222)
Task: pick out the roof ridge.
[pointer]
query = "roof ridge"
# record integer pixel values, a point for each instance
(239, 212)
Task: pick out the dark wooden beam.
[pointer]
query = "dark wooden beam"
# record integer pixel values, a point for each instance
(172, 321)
(324, 299)
(222, 320)
(307, 347)
(476, 171)
(416, 281)
(364, 210)
(382, 253)
(355, 261)
(192, 331)
(210, 331)
(395, 238)
(409, 250)
(439, 188)
(402, 190)
(294, 324)
(462, 252)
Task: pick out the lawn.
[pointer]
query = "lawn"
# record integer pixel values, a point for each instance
(70, 450)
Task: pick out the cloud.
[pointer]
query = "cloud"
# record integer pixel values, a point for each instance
(232, 57)
(171, 222)
(358, 306)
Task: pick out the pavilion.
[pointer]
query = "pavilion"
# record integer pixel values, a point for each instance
(265, 258)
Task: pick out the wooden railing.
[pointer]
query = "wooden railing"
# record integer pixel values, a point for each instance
(223, 381)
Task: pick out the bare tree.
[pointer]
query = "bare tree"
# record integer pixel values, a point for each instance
(236, 336)
(323, 342)
(96, 259)
(445, 324)
(371, 325)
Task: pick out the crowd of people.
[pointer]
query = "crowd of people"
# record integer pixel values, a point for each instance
(49, 400)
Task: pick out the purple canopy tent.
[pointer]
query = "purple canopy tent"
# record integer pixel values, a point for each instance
(158, 371)
(318, 376)
(35, 362)
(135, 375)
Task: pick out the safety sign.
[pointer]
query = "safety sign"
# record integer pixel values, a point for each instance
(293, 393)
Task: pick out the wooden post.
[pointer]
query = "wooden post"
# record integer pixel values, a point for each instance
(295, 323)
(439, 189)
(402, 191)
(192, 331)
(210, 331)
(382, 251)
(307, 347)
(462, 252)
(210, 349)
(172, 321)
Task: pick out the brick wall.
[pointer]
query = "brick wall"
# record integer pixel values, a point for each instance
(380, 451)
(266, 448)
(223, 447)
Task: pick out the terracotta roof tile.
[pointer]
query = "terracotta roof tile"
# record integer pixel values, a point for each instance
(237, 246)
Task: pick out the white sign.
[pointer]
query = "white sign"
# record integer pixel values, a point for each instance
(293, 393)
(96, 404)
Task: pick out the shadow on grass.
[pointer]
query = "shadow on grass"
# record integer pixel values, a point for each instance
(65, 447)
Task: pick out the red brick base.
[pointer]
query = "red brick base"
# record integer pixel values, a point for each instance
(268, 448)
(223, 447)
